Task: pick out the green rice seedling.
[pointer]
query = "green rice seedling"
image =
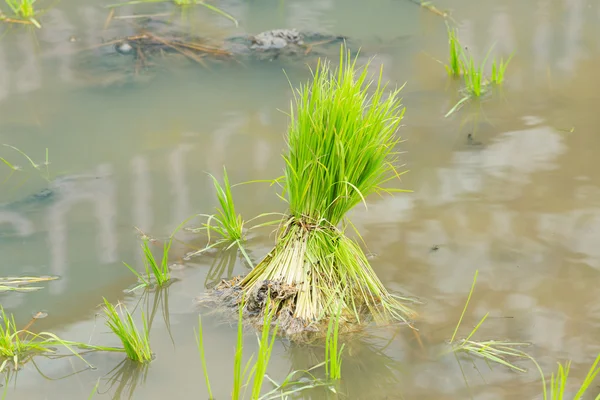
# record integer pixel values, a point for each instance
(496, 351)
(499, 69)
(94, 390)
(455, 62)
(227, 223)
(23, 10)
(157, 274)
(180, 3)
(341, 148)
(558, 382)
(333, 353)
(265, 348)
(257, 371)
(474, 75)
(238, 373)
(200, 343)
(135, 343)
(17, 346)
(476, 85)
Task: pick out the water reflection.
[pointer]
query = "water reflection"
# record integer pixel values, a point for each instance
(101, 194)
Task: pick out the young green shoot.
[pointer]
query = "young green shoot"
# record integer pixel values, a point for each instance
(333, 353)
(238, 373)
(200, 344)
(157, 274)
(490, 350)
(498, 70)
(135, 343)
(265, 348)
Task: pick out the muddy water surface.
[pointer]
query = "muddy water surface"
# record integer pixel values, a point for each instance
(507, 186)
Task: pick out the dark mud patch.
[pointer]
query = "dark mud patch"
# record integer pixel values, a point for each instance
(226, 298)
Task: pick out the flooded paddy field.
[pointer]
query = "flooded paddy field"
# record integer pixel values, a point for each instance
(506, 186)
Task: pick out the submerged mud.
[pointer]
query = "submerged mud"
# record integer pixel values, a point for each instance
(228, 295)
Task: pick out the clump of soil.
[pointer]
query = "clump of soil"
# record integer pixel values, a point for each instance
(228, 294)
(226, 297)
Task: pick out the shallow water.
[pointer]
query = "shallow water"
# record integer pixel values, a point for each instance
(517, 199)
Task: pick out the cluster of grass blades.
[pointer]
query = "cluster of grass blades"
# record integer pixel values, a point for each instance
(23, 11)
(454, 66)
(158, 274)
(136, 344)
(19, 283)
(180, 3)
(226, 223)
(17, 346)
(500, 352)
(252, 374)
(558, 382)
(462, 64)
(341, 148)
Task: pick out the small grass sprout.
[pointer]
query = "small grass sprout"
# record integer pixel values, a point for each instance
(474, 75)
(23, 11)
(491, 350)
(333, 353)
(499, 69)
(200, 344)
(227, 223)
(157, 274)
(135, 343)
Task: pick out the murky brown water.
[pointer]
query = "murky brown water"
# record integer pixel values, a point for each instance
(519, 201)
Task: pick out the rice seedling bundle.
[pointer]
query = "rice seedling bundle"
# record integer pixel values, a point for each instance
(341, 147)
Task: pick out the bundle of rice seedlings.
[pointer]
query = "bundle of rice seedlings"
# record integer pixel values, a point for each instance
(341, 148)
